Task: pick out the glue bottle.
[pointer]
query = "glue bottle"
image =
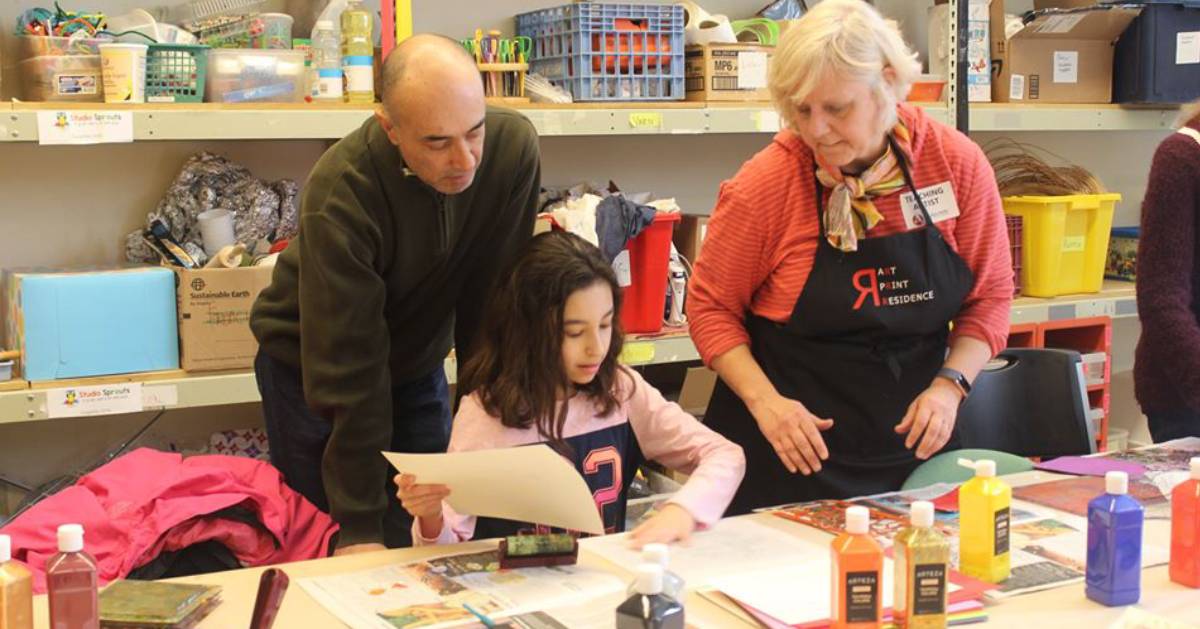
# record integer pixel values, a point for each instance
(1185, 530)
(660, 555)
(16, 590)
(922, 555)
(857, 589)
(1114, 544)
(649, 608)
(984, 507)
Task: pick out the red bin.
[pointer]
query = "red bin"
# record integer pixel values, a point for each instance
(649, 255)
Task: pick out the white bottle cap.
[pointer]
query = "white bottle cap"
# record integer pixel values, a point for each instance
(649, 579)
(1196, 467)
(858, 520)
(70, 538)
(657, 554)
(5, 548)
(1116, 483)
(921, 513)
(324, 25)
(984, 468)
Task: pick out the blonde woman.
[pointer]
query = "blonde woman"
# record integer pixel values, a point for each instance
(1166, 368)
(825, 291)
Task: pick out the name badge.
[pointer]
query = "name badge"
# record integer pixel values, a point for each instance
(939, 201)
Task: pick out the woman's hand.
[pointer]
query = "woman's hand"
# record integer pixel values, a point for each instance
(930, 418)
(794, 432)
(672, 523)
(423, 502)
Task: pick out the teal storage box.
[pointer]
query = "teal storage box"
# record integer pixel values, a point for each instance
(94, 322)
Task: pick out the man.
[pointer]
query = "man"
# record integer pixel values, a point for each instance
(403, 226)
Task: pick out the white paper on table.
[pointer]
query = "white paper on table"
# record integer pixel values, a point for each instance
(796, 594)
(526, 484)
(732, 546)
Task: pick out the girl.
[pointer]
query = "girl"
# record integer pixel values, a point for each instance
(546, 371)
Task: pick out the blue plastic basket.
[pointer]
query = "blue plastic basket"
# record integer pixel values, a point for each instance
(609, 52)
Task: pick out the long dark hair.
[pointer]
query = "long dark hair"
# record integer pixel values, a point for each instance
(517, 369)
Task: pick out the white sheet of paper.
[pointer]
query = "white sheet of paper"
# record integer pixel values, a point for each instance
(527, 484)
(733, 546)
(794, 594)
(1066, 66)
(752, 70)
(1187, 47)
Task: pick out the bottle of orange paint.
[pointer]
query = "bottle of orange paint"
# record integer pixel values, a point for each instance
(857, 589)
(1185, 530)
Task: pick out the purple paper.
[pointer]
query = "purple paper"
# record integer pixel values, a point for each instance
(1091, 466)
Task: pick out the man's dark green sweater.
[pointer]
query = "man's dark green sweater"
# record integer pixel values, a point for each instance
(385, 274)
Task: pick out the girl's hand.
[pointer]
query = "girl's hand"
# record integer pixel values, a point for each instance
(420, 501)
(672, 523)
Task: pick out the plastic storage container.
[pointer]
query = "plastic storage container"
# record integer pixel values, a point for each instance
(649, 255)
(1157, 60)
(276, 32)
(60, 69)
(247, 75)
(609, 52)
(1122, 254)
(176, 73)
(1064, 241)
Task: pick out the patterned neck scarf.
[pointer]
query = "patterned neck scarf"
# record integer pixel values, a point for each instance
(851, 211)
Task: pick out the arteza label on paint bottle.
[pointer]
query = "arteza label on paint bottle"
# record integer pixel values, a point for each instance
(1001, 531)
(929, 589)
(862, 592)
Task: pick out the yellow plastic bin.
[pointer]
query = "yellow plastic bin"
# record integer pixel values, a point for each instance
(1064, 241)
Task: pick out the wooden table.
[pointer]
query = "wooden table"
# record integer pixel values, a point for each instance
(1062, 608)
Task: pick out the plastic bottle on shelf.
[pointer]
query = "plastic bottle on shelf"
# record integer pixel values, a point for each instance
(358, 53)
(327, 62)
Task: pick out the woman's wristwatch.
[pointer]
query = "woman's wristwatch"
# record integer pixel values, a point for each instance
(959, 380)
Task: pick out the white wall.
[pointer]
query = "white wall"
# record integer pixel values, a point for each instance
(73, 205)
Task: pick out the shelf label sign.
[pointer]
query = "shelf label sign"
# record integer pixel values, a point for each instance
(645, 120)
(67, 126)
(101, 399)
(1187, 48)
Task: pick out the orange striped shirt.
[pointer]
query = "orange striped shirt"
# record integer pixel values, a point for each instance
(763, 233)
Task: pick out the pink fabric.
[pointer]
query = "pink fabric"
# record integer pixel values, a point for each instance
(147, 501)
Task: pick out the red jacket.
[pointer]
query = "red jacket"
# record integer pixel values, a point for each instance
(147, 502)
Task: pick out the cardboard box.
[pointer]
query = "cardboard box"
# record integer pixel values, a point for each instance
(90, 322)
(1061, 57)
(727, 72)
(214, 316)
(689, 235)
(979, 59)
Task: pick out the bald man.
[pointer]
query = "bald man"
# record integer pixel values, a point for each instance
(403, 225)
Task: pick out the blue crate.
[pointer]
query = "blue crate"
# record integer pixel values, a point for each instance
(1146, 69)
(580, 48)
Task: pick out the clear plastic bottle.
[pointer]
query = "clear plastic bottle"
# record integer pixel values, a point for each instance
(71, 582)
(358, 53)
(16, 590)
(327, 62)
(649, 608)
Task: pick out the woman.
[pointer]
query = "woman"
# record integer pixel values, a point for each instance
(825, 291)
(1165, 374)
